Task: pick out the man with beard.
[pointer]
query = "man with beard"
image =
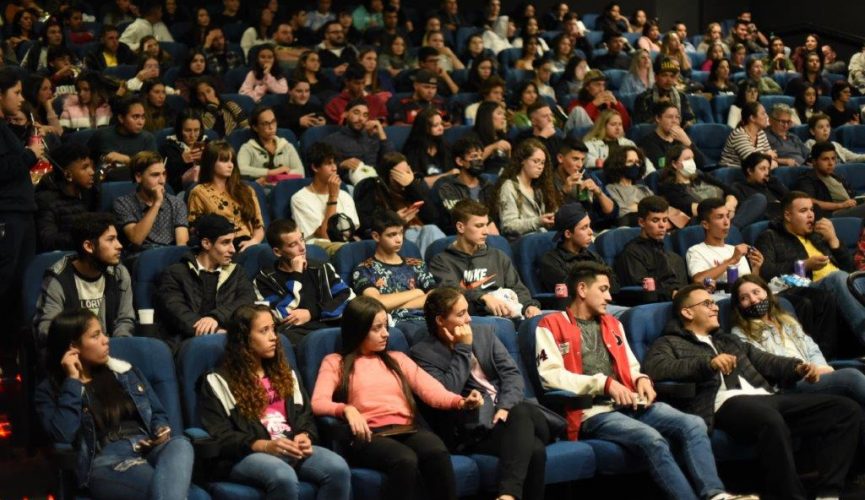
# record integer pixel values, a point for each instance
(149, 217)
(664, 90)
(333, 51)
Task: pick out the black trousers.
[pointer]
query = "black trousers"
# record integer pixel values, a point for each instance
(520, 443)
(408, 461)
(17, 248)
(832, 422)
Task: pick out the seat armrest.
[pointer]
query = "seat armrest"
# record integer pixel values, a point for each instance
(334, 431)
(558, 399)
(857, 363)
(204, 444)
(675, 390)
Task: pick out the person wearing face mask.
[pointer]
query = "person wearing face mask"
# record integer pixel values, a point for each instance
(759, 320)
(668, 132)
(467, 184)
(737, 391)
(685, 187)
(623, 172)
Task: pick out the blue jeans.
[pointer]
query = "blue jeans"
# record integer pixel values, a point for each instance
(423, 236)
(848, 382)
(164, 473)
(648, 433)
(280, 480)
(751, 210)
(849, 306)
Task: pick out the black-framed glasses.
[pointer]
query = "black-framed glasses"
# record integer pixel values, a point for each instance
(708, 304)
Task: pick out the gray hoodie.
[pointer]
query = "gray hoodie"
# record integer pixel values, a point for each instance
(488, 269)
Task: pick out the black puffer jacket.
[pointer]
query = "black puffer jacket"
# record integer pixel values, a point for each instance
(781, 248)
(678, 356)
(56, 209)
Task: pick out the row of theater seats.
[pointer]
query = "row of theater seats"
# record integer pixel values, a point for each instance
(567, 461)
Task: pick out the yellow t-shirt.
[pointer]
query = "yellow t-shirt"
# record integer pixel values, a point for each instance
(110, 60)
(817, 274)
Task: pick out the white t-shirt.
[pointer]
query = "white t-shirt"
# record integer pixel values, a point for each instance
(702, 257)
(723, 393)
(308, 208)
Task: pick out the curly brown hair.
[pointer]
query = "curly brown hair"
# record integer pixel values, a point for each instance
(238, 364)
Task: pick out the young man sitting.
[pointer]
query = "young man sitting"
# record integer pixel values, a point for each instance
(712, 257)
(305, 294)
(198, 295)
(799, 236)
(401, 284)
(93, 279)
(313, 206)
(468, 184)
(583, 349)
(574, 238)
(572, 180)
(150, 217)
(736, 392)
(487, 275)
(645, 256)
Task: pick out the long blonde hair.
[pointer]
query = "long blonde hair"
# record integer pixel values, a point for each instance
(599, 130)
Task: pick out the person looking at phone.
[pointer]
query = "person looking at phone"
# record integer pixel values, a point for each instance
(183, 149)
(400, 283)
(149, 216)
(397, 188)
(109, 413)
(736, 392)
(584, 349)
(380, 408)
(299, 113)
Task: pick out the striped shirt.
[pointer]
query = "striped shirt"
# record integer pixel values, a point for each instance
(739, 146)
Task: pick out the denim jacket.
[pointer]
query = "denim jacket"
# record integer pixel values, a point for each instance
(66, 415)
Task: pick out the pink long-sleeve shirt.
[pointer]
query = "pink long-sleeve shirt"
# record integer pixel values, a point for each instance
(255, 88)
(376, 391)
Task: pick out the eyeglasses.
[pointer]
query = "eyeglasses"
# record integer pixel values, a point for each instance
(708, 304)
(783, 122)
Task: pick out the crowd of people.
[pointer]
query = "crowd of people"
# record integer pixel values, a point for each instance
(415, 126)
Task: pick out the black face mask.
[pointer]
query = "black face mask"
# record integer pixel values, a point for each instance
(756, 311)
(632, 172)
(475, 168)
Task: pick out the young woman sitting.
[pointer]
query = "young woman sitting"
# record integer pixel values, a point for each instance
(374, 391)
(108, 412)
(256, 408)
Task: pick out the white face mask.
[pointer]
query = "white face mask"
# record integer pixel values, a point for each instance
(689, 167)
